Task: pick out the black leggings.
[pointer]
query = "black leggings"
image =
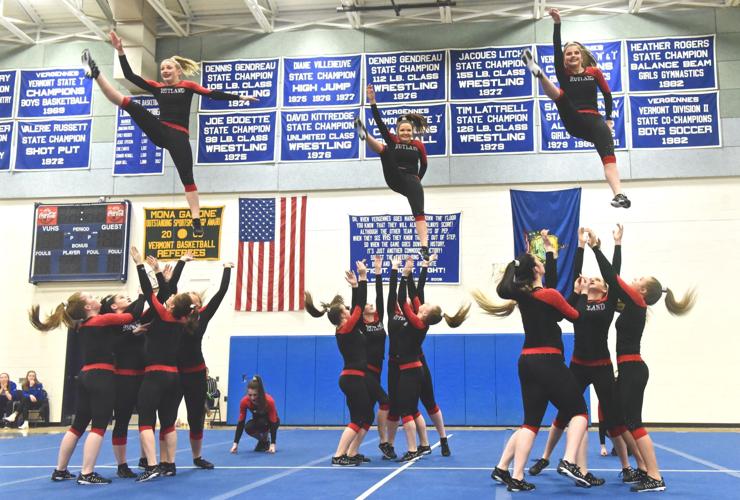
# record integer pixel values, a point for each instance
(427, 389)
(7, 405)
(257, 428)
(96, 395)
(159, 393)
(375, 390)
(127, 392)
(544, 377)
(194, 388)
(631, 383)
(587, 126)
(409, 391)
(602, 378)
(406, 184)
(357, 395)
(175, 141)
(393, 375)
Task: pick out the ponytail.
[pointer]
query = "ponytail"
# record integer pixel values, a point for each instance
(501, 310)
(459, 317)
(311, 308)
(587, 58)
(418, 122)
(69, 313)
(680, 307)
(333, 308)
(257, 385)
(188, 66)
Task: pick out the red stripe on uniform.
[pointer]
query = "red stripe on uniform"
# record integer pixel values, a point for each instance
(161, 368)
(591, 362)
(409, 366)
(626, 358)
(354, 427)
(529, 351)
(609, 159)
(373, 368)
(638, 433)
(98, 431)
(99, 366)
(531, 428)
(193, 369)
(356, 373)
(119, 441)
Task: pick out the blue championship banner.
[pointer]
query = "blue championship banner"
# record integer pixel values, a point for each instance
(435, 138)
(400, 77)
(492, 127)
(134, 153)
(319, 134)
(675, 120)
(6, 144)
(390, 235)
(665, 64)
(80, 242)
(46, 93)
(236, 138)
(53, 145)
(555, 138)
(7, 92)
(252, 77)
(321, 81)
(489, 72)
(608, 56)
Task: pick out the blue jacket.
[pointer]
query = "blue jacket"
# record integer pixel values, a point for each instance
(12, 387)
(37, 390)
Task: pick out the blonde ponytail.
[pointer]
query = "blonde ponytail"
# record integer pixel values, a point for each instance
(188, 66)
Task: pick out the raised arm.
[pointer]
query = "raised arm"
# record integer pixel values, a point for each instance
(216, 95)
(210, 309)
(128, 73)
(376, 116)
(379, 304)
(551, 265)
(393, 285)
(557, 47)
(617, 257)
(606, 92)
(422, 158)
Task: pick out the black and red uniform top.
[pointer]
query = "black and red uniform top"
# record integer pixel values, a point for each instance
(165, 331)
(174, 100)
(190, 355)
(413, 335)
(350, 336)
(631, 321)
(97, 335)
(409, 158)
(129, 348)
(591, 329)
(581, 88)
(416, 295)
(375, 331)
(268, 413)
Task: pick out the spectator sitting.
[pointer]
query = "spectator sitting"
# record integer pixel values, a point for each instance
(32, 396)
(7, 397)
(212, 392)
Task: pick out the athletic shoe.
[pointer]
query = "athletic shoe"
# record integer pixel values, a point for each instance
(167, 469)
(93, 71)
(621, 200)
(124, 472)
(593, 480)
(501, 475)
(424, 253)
(572, 471)
(649, 484)
(409, 456)
(343, 461)
(445, 448)
(198, 232)
(517, 485)
(62, 475)
(202, 463)
(360, 128)
(24, 425)
(630, 475)
(262, 446)
(538, 466)
(143, 464)
(148, 474)
(92, 478)
(362, 458)
(424, 450)
(531, 65)
(11, 418)
(389, 453)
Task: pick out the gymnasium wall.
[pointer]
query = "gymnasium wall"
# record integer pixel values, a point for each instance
(683, 226)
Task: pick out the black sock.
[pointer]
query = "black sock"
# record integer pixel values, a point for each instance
(443, 440)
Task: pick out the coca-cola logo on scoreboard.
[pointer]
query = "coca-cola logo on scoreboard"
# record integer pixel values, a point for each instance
(115, 214)
(47, 216)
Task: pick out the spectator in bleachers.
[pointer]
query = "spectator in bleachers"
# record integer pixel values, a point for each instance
(7, 398)
(212, 392)
(32, 397)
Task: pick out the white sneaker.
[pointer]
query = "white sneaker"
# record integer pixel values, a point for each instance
(531, 65)
(11, 418)
(24, 425)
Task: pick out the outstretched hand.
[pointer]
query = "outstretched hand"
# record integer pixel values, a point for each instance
(248, 98)
(378, 263)
(153, 263)
(617, 233)
(555, 14)
(350, 277)
(582, 237)
(371, 94)
(136, 256)
(408, 266)
(116, 42)
(545, 233)
(593, 239)
(187, 256)
(396, 262)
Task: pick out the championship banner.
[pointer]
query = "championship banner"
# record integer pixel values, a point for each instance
(556, 211)
(489, 72)
(80, 242)
(134, 153)
(236, 138)
(321, 81)
(400, 77)
(53, 145)
(7, 92)
(675, 120)
(319, 134)
(390, 235)
(48, 93)
(608, 56)
(555, 138)
(435, 138)
(168, 233)
(665, 64)
(6, 144)
(492, 127)
(252, 77)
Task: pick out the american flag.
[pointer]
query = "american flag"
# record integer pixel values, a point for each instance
(272, 237)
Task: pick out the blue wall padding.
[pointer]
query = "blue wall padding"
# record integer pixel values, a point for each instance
(475, 377)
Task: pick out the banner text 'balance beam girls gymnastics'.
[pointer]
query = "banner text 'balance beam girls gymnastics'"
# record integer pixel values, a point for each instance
(675, 120)
(556, 138)
(53, 145)
(390, 235)
(135, 153)
(7, 92)
(402, 77)
(236, 138)
(665, 64)
(492, 127)
(435, 138)
(321, 81)
(319, 134)
(489, 73)
(46, 93)
(608, 56)
(252, 77)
